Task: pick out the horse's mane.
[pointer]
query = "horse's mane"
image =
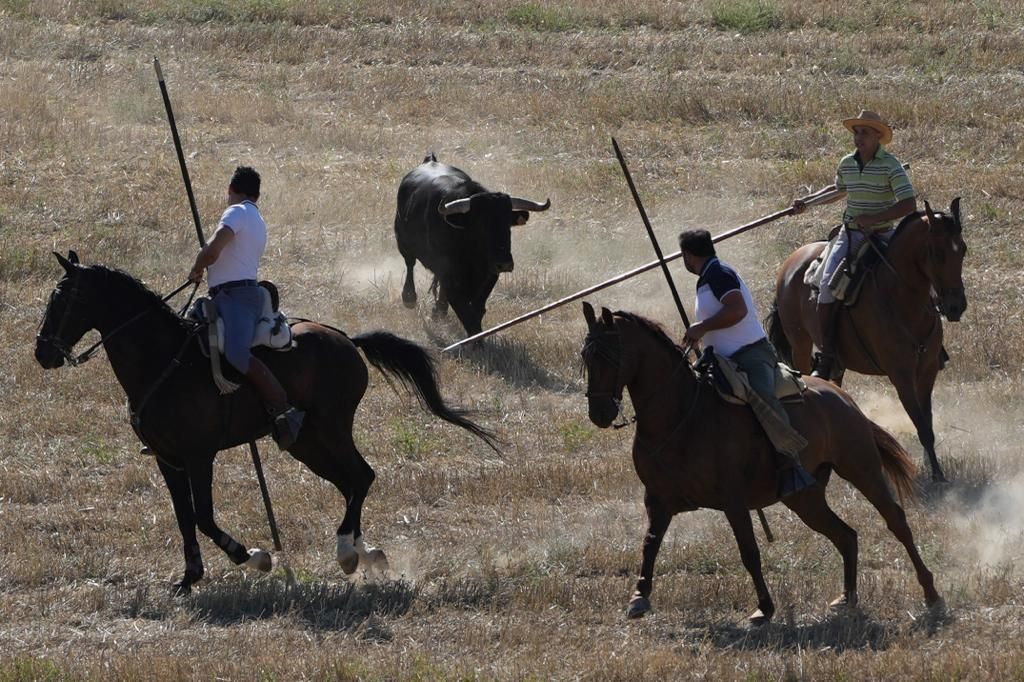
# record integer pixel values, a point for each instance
(655, 328)
(135, 288)
(900, 229)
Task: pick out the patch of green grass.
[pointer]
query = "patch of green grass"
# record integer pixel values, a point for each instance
(38, 669)
(575, 436)
(412, 443)
(745, 16)
(539, 17)
(98, 452)
(15, 7)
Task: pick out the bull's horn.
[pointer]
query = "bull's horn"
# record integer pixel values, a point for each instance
(519, 204)
(457, 206)
(954, 208)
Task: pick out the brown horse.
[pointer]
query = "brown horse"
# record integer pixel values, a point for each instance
(895, 328)
(177, 410)
(692, 449)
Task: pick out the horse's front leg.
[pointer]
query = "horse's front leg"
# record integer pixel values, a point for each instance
(743, 529)
(181, 498)
(915, 394)
(658, 521)
(200, 473)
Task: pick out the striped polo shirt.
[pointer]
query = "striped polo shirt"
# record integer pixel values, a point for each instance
(880, 184)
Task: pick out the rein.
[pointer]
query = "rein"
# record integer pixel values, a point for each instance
(81, 358)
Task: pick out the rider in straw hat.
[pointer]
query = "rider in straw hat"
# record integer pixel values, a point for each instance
(878, 193)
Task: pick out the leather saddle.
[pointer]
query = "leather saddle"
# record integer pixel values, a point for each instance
(272, 328)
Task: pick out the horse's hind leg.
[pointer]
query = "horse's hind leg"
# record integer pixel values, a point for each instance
(743, 529)
(200, 475)
(181, 498)
(812, 508)
(335, 458)
(875, 489)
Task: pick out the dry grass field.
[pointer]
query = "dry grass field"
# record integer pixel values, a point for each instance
(515, 565)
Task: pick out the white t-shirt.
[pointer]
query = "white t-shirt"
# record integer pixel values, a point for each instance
(715, 281)
(240, 259)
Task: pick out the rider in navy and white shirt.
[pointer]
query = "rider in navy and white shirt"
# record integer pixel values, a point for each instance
(232, 259)
(727, 320)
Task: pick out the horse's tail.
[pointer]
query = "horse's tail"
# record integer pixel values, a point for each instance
(777, 336)
(896, 462)
(413, 367)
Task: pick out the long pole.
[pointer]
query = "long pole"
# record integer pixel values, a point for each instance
(650, 234)
(631, 273)
(181, 155)
(202, 242)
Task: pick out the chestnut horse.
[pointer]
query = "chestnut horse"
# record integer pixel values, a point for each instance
(178, 412)
(895, 328)
(692, 449)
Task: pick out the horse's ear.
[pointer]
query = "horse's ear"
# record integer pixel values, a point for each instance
(929, 213)
(68, 265)
(72, 256)
(606, 317)
(954, 208)
(588, 314)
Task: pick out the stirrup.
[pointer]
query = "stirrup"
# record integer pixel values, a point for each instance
(823, 366)
(793, 479)
(286, 427)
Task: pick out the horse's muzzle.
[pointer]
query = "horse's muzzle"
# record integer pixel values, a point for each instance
(952, 304)
(47, 355)
(602, 411)
(505, 266)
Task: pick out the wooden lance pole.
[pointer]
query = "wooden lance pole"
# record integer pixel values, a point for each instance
(827, 193)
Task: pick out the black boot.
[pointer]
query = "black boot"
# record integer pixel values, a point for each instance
(824, 359)
(286, 420)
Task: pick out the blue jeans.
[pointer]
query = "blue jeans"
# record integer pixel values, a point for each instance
(240, 309)
(847, 244)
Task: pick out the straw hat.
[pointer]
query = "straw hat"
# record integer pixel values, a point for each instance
(870, 119)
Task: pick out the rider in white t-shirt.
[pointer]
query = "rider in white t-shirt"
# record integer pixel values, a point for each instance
(232, 259)
(727, 320)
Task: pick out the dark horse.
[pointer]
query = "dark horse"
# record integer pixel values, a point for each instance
(177, 410)
(692, 449)
(895, 328)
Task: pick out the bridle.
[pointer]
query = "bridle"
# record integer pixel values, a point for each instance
(55, 340)
(607, 343)
(597, 341)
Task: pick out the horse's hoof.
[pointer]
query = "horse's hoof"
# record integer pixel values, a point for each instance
(939, 478)
(844, 603)
(409, 301)
(638, 606)
(377, 561)
(758, 619)
(181, 589)
(937, 606)
(259, 560)
(348, 557)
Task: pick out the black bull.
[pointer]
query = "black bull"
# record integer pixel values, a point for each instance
(459, 231)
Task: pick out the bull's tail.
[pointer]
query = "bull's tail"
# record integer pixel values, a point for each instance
(896, 462)
(412, 366)
(777, 336)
